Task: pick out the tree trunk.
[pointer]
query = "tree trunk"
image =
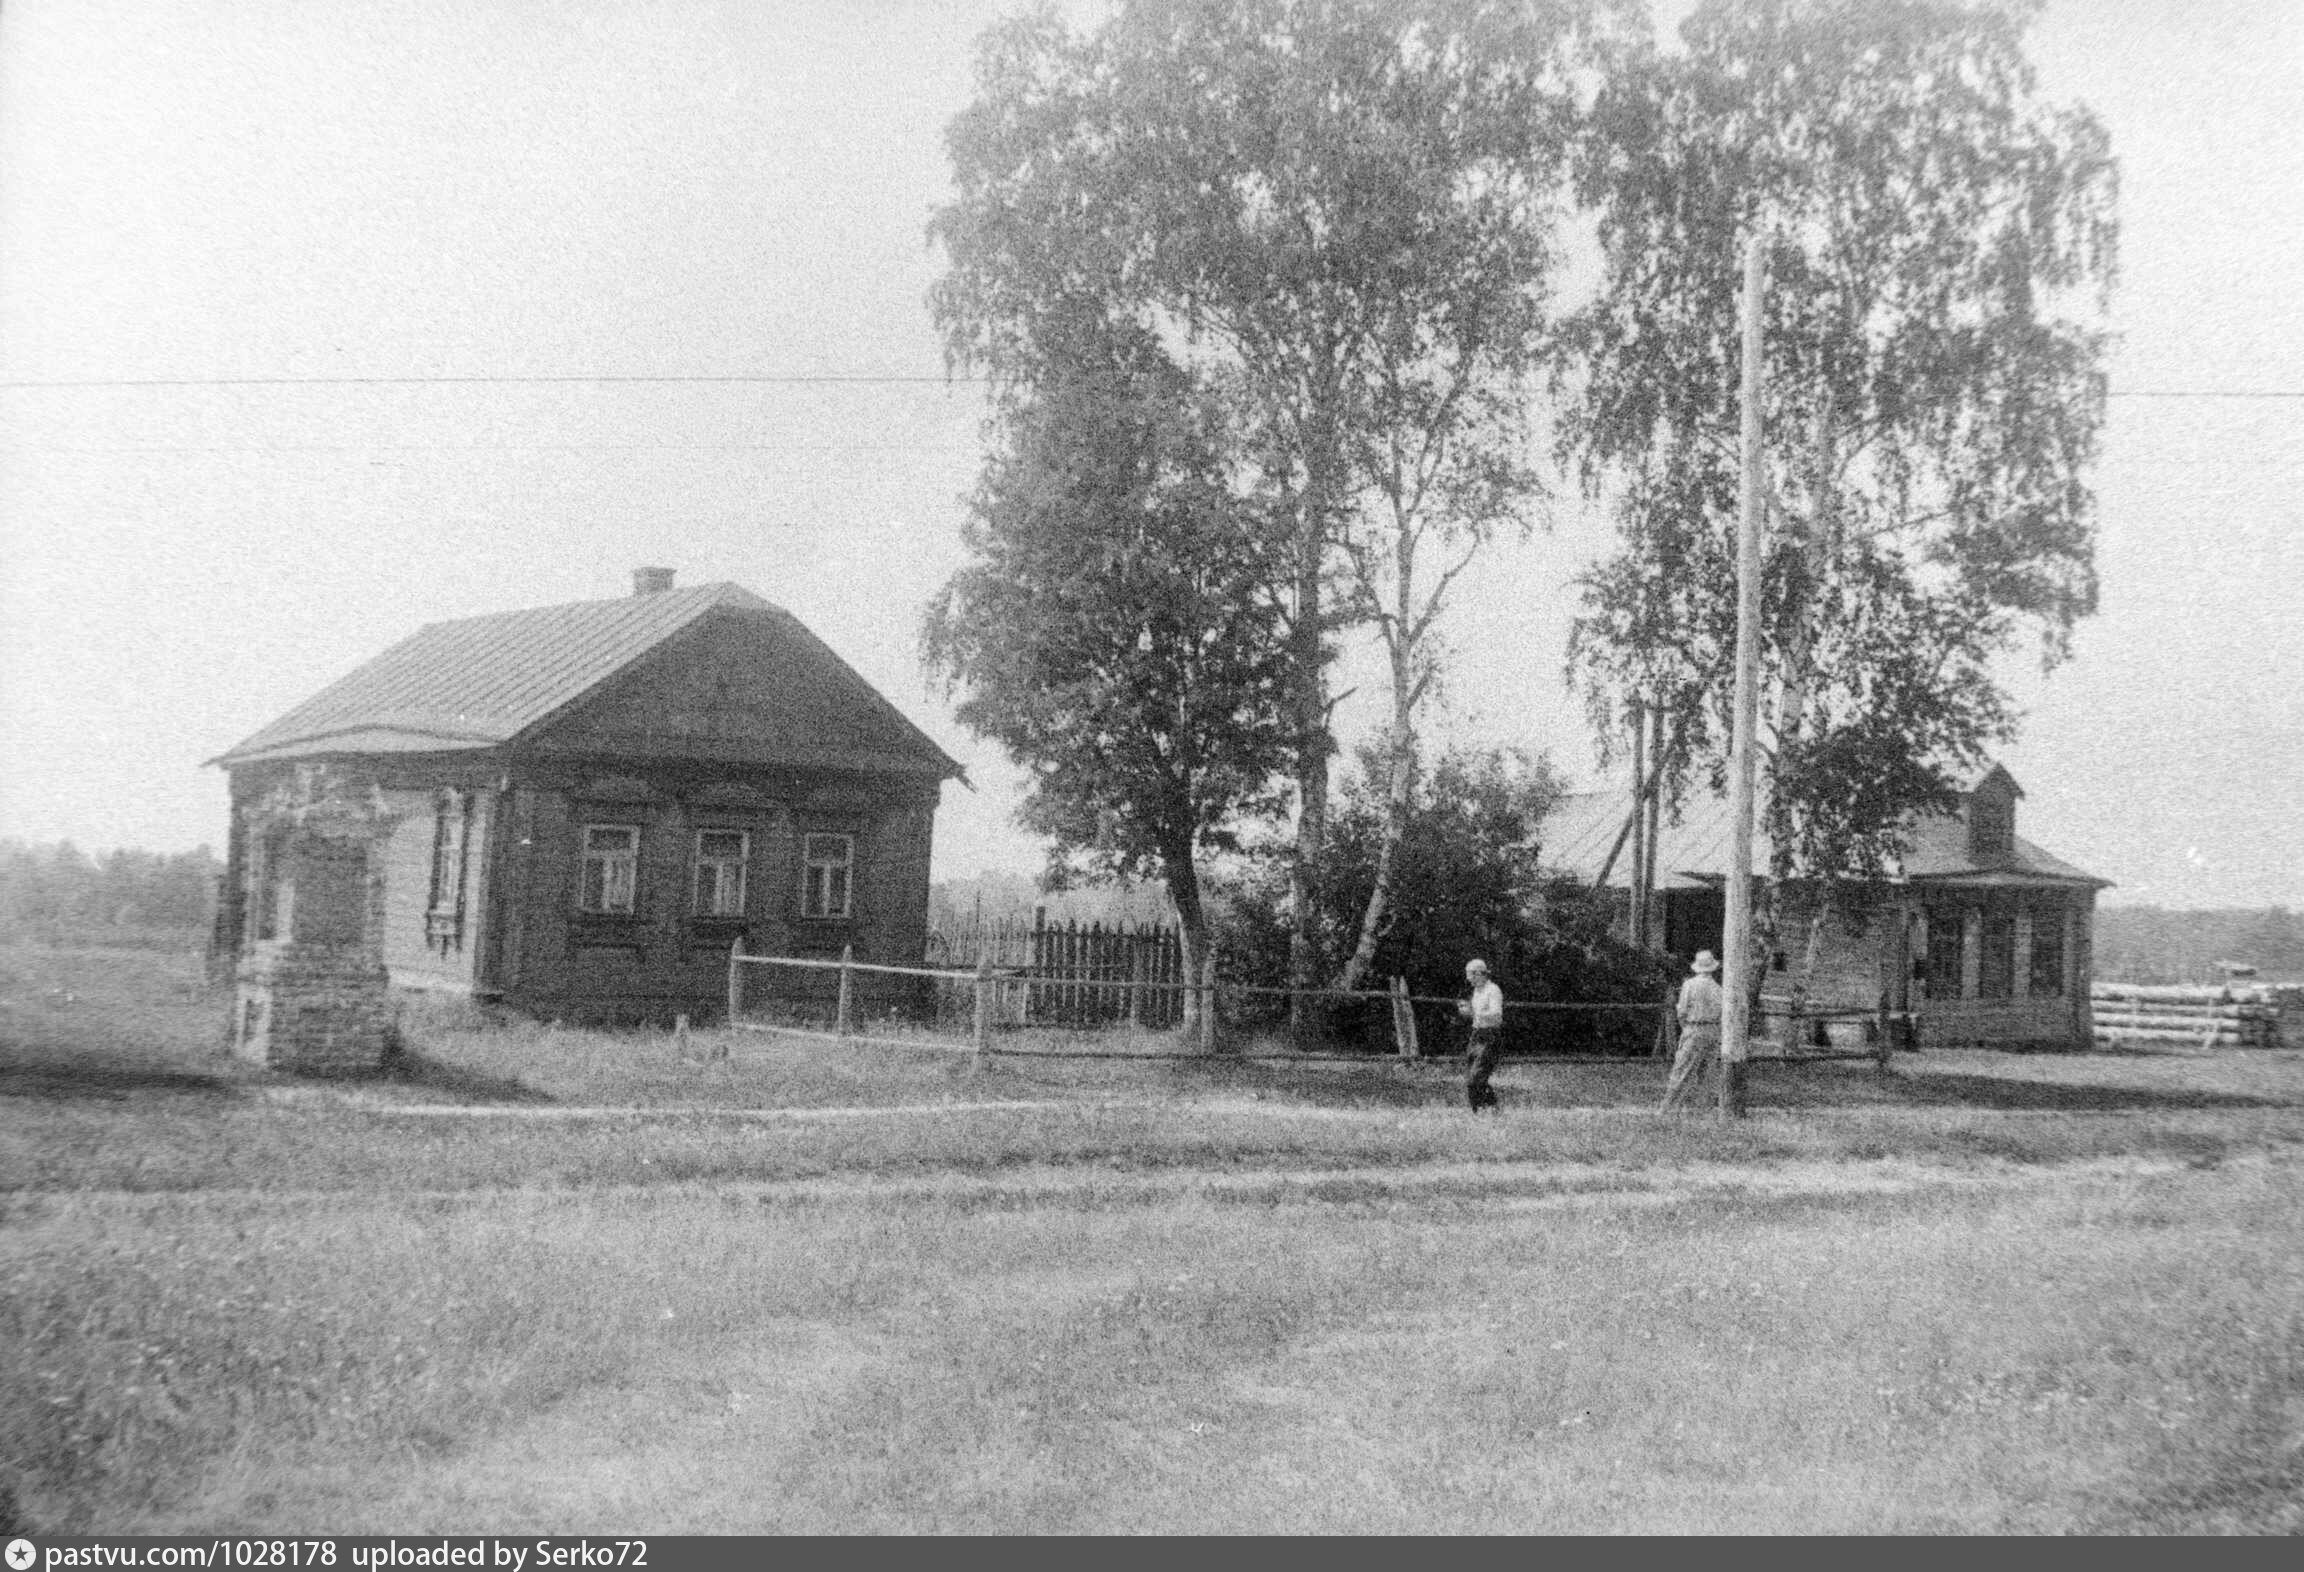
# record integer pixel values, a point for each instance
(1399, 800)
(1818, 538)
(1767, 928)
(1308, 654)
(1183, 876)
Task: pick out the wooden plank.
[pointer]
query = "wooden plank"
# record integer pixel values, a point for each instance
(1404, 1021)
(2179, 993)
(2220, 1037)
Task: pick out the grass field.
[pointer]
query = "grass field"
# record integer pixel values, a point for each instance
(553, 1281)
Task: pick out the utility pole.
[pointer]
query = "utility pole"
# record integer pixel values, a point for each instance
(1638, 911)
(1736, 1024)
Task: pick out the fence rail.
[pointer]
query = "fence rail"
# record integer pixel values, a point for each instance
(1005, 1009)
(2230, 1016)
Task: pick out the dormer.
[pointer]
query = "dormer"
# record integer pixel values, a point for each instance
(1991, 813)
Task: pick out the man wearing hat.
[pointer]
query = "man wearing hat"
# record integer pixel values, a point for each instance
(1699, 1012)
(1485, 1010)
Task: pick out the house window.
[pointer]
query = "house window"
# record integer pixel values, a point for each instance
(721, 856)
(1947, 937)
(451, 834)
(611, 868)
(2047, 971)
(1996, 957)
(827, 863)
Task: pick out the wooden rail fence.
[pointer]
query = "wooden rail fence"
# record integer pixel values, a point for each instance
(2235, 1016)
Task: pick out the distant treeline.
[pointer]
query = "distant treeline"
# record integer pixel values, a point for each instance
(957, 904)
(2150, 944)
(60, 890)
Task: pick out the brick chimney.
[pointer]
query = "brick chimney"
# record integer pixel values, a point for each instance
(651, 581)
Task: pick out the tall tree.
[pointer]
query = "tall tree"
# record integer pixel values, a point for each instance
(1940, 247)
(1335, 214)
(1113, 630)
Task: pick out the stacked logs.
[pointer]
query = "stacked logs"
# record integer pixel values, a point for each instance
(2203, 1017)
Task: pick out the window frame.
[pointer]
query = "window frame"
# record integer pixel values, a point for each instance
(845, 866)
(1947, 930)
(451, 868)
(630, 858)
(1996, 954)
(2048, 918)
(741, 862)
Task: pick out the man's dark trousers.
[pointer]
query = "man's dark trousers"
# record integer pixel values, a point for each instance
(1480, 1055)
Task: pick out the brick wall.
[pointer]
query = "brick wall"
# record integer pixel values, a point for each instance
(313, 1009)
(314, 997)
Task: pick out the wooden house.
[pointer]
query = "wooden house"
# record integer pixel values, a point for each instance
(1977, 934)
(581, 808)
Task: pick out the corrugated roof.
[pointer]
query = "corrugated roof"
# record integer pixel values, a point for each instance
(480, 682)
(1577, 835)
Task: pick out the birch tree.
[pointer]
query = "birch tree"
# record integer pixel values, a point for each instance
(1940, 247)
(1337, 216)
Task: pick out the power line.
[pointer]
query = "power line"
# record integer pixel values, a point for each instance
(826, 379)
(2204, 393)
(499, 447)
(862, 380)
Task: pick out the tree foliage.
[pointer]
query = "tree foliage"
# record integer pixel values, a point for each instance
(1466, 876)
(1940, 244)
(61, 890)
(1336, 217)
(1467, 882)
(1112, 630)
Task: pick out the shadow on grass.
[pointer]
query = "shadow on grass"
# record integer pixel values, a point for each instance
(1953, 1090)
(406, 1067)
(96, 1079)
(1380, 1083)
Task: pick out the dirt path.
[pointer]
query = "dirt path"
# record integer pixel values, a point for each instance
(1501, 1186)
(576, 1111)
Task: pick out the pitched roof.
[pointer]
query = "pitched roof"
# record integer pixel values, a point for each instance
(480, 682)
(1577, 835)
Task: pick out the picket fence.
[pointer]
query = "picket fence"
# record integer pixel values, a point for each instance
(1073, 973)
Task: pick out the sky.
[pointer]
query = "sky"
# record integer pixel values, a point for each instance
(490, 226)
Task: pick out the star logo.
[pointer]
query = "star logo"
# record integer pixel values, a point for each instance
(19, 1555)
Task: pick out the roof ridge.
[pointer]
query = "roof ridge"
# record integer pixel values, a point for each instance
(725, 591)
(497, 678)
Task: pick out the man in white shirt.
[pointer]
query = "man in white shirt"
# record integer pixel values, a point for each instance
(1699, 1012)
(1485, 1010)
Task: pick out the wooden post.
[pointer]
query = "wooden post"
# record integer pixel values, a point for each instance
(1636, 908)
(680, 1034)
(983, 1022)
(1208, 1002)
(847, 959)
(1885, 1043)
(1404, 1021)
(735, 979)
(1655, 824)
(1737, 969)
(1136, 970)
